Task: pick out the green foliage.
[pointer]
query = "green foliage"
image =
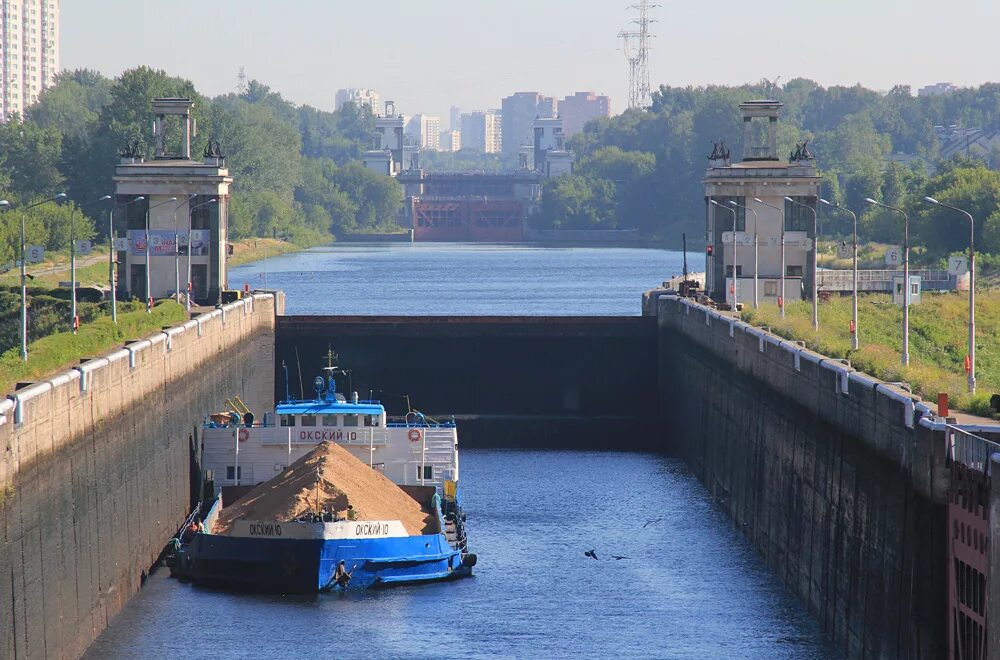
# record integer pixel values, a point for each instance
(938, 340)
(31, 158)
(262, 151)
(852, 132)
(96, 336)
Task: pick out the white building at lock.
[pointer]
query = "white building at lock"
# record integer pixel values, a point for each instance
(172, 174)
(760, 175)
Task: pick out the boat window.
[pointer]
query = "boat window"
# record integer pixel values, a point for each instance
(287, 420)
(350, 420)
(371, 420)
(232, 471)
(428, 471)
(308, 420)
(329, 420)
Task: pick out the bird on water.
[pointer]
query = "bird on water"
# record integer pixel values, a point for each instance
(651, 521)
(591, 554)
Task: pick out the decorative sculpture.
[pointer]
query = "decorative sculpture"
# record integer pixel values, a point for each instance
(131, 150)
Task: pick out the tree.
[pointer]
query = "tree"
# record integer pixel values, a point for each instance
(572, 201)
(262, 151)
(31, 159)
(973, 188)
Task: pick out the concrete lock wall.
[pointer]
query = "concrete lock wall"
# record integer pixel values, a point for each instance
(827, 471)
(96, 470)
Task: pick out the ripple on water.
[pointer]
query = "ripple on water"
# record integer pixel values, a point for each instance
(691, 588)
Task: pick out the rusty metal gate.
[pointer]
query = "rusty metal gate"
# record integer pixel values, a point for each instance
(968, 542)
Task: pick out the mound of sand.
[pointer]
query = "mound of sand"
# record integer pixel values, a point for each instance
(337, 479)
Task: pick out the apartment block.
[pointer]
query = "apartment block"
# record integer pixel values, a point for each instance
(29, 52)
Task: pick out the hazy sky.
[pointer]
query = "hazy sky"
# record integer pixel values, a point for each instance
(428, 55)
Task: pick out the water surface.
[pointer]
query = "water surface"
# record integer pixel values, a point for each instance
(690, 587)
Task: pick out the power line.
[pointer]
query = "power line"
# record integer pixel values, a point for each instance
(636, 45)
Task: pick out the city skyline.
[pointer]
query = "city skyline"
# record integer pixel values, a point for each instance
(887, 47)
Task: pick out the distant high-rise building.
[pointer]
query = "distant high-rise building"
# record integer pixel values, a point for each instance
(451, 140)
(580, 108)
(519, 112)
(358, 97)
(937, 89)
(482, 131)
(426, 131)
(455, 118)
(29, 52)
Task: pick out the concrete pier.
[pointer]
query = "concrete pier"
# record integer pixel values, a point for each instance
(96, 471)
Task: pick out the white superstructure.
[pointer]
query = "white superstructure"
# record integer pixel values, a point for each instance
(408, 452)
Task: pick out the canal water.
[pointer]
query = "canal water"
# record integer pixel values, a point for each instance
(687, 586)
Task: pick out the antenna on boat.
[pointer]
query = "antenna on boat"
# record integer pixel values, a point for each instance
(302, 390)
(684, 243)
(288, 395)
(331, 368)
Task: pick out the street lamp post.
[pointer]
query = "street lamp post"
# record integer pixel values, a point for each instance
(74, 319)
(815, 285)
(733, 211)
(149, 257)
(190, 285)
(112, 234)
(972, 289)
(781, 212)
(906, 276)
(24, 275)
(854, 285)
(755, 260)
(177, 251)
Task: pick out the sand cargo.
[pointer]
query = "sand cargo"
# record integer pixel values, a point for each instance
(359, 500)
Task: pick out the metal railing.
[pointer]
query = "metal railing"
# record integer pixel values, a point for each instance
(879, 280)
(969, 449)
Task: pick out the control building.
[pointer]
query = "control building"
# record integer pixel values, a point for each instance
(763, 175)
(550, 156)
(386, 154)
(165, 244)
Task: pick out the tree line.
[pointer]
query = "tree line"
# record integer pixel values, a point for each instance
(643, 168)
(296, 169)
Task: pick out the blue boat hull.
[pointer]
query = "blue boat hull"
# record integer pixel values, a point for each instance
(308, 565)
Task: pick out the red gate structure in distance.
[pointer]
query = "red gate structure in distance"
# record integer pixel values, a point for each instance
(470, 206)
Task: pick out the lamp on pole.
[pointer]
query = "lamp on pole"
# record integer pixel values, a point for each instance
(906, 276)
(112, 280)
(972, 289)
(854, 284)
(149, 257)
(177, 250)
(733, 211)
(190, 285)
(781, 212)
(24, 275)
(755, 261)
(815, 285)
(74, 319)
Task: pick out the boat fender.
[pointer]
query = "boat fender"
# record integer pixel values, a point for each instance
(243, 435)
(469, 560)
(414, 435)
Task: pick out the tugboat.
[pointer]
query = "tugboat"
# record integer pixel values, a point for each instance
(358, 499)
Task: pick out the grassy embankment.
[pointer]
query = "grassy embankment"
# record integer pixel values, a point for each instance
(938, 341)
(255, 249)
(63, 350)
(93, 269)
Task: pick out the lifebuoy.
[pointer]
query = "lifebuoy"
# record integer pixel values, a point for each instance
(243, 435)
(414, 435)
